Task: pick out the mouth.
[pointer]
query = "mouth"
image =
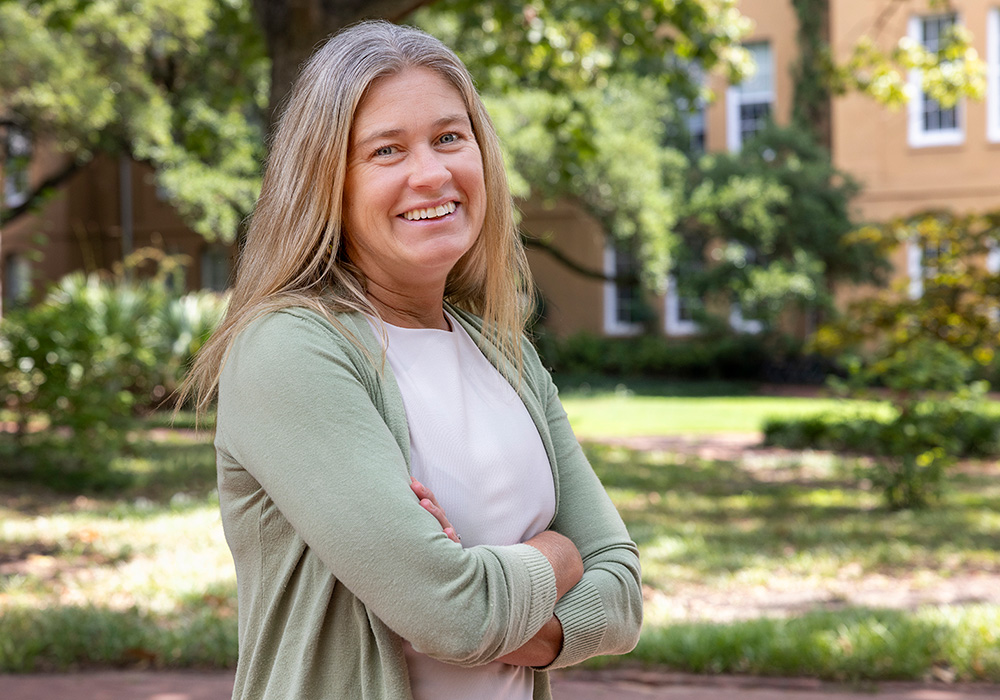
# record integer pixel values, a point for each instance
(430, 212)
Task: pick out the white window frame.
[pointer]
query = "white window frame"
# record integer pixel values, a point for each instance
(673, 324)
(993, 259)
(917, 136)
(17, 278)
(993, 75)
(915, 268)
(697, 116)
(738, 323)
(919, 269)
(736, 97)
(19, 145)
(695, 111)
(612, 324)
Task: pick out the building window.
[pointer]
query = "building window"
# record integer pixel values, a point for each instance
(216, 266)
(993, 75)
(681, 309)
(692, 110)
(749, 105)
(930, 124)
(16, 185)
(922, 261)
(742, 320)
(16, 279)
(696, 127)
(623, 304)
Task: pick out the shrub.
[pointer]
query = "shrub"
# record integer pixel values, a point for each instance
(723, 357)
(913, 447)
(83, 360)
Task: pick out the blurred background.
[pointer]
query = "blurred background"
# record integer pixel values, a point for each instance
(765, 236)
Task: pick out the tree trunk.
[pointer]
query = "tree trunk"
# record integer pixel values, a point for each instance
(294, 29)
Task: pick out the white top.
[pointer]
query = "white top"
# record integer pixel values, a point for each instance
(474, 445)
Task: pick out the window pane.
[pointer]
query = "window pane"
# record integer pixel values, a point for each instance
(762, 80)
(628, 296)
(936, 117)
(753, 118)
(15, 184)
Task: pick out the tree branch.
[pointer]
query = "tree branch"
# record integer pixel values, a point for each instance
(50, 184)
(539, 244)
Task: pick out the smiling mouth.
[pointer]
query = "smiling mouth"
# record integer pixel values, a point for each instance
(430, 212)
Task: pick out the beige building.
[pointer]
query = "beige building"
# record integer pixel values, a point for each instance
(908, 160)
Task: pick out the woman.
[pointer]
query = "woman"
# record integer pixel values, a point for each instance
(372, 357)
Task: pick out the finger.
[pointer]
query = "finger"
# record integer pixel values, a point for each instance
(422, 491)
(439, 514)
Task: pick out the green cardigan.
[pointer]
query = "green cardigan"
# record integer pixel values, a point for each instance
(337, 562)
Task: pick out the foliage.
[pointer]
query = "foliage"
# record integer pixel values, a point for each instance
(949, 73)
(562, 46)
(811, 100)
(966, 427)
(956, 300)
(85, 359)
(628, 183)
(922, 340)
(735, 357)
(179, 84)
(773, 223)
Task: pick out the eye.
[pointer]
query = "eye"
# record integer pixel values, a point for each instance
(448, 138)
(385, 150)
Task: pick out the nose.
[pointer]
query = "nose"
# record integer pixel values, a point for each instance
(428, 169)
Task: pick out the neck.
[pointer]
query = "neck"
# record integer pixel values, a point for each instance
(409, 311)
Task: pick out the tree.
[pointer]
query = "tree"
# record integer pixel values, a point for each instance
(190, 86)
(954, 297)
(293, 29)
(626, 180)
(769, 227)
(923, 342)
(179, 84)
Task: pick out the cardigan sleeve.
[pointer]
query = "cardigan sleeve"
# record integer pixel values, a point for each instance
(301, 411)
(602, 614)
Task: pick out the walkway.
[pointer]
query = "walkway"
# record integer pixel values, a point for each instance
(572, 685)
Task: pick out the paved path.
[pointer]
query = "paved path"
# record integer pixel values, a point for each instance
(574, 685)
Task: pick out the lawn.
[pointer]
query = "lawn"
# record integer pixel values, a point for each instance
(770, 564)
(601, 408)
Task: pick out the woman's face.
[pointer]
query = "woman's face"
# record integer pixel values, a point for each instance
(415, 197)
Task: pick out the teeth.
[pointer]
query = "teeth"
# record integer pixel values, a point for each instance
(430, 212)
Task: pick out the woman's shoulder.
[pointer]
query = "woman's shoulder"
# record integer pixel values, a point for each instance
(290, 332)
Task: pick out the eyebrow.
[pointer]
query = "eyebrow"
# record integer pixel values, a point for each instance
(393, 133)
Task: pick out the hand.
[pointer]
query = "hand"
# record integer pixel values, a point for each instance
(430, 504)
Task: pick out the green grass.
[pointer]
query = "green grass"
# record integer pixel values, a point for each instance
(847, 645)
(599, 408)
(140, 576)
(750, 566)
(720, 540)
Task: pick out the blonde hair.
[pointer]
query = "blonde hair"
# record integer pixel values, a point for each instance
(294, 251)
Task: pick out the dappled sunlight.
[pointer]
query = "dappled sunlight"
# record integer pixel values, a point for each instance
(769, 535)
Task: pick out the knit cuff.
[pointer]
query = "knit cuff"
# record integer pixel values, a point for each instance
(584, 623)
(543, 586)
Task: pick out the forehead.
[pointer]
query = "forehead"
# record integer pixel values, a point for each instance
(407, 99)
